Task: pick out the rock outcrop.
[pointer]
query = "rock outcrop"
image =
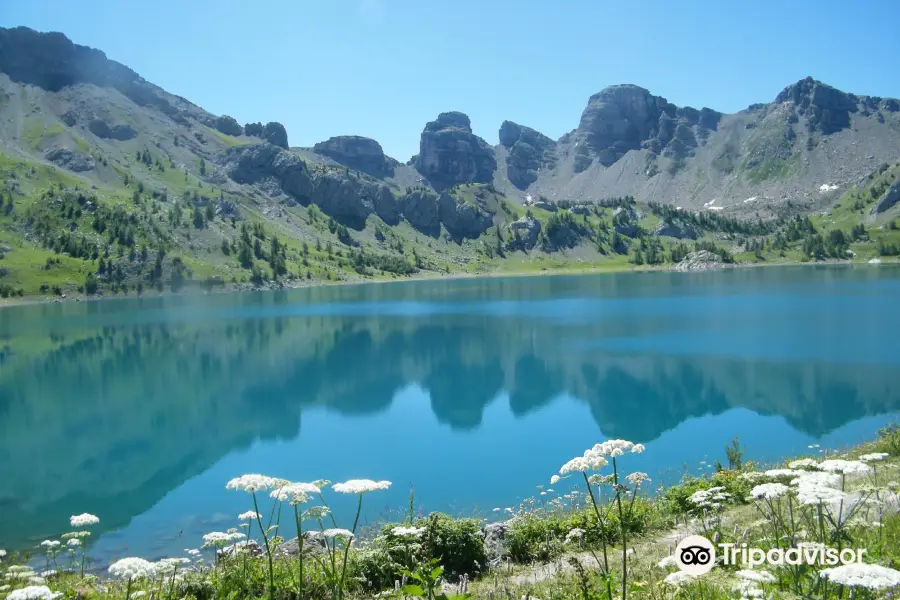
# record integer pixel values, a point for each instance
(625, 222)
(350, 198)
(827, 109)
(104, 130)
(254, 129)
(421, 210)
(359, 153)
(69, 159)
(677, 229)
(228, 125)
(701, 260)
(276, 134)
(529, 152)
(450, 154)
(462, 220)
(526, 230)
(890, 197)
(621, 118)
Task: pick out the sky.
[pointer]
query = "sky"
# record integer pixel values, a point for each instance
(383, 68)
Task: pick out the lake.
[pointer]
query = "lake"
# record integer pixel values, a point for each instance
(472, 391)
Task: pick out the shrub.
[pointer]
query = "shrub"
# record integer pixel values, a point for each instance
(889, 439)
(457, 543)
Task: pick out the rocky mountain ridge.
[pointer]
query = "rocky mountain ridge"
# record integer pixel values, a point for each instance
(174, 177)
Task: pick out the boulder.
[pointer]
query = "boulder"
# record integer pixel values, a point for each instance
(551, 206)
(527, 230)
(359, 153)
(580, 210)
(699, 261)
(421, 210)
(462, 220)
(104, 130)
(450, 154)
(228, 125)
(677, 229)
(312, 543)
(226, 208)
(69, 159)
(890, 197)
(494, 536)
(276, 134)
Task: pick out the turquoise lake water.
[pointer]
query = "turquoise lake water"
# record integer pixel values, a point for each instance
(471, 391)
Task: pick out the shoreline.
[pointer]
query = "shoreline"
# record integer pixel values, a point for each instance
(430, 276)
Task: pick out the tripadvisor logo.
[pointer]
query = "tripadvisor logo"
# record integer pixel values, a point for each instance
(696, 555)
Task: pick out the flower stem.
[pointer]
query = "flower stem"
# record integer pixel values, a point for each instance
(268, 551)
(347, 547)
(299, 551)
(602, 535)
(622, 527)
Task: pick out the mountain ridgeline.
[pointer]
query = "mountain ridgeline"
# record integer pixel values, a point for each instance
(112, 184)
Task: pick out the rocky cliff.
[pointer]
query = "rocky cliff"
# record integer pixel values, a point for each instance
(450, 154)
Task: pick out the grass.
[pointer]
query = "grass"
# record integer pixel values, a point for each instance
(36, 131)
(610, 543)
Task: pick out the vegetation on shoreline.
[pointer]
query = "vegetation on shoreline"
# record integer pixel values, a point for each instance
(605, 539)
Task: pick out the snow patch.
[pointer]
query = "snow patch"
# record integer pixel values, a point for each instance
(750, 199)
(716, 208)
(826, 187)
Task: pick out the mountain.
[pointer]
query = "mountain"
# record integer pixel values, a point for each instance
(111, 184)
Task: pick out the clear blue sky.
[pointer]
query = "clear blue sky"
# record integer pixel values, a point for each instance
(383, 68)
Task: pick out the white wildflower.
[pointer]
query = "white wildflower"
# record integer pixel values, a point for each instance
(337, 532)
(75, 534)
(874, 457)
(615, 448)
(637, 478)
(574, 535)
(759, 576)
(2, 553)
(83, 520)
(295, 493)
(812, 493)
(316, 512)
(321, 483)
(192, 551)
(50, 573)
(776, 473)
(582, 464)
(37, 580)
(554, 479)
(214, 538)
(667, 562)
(249, 515)
(253, 483)
(407, 531)
(131, 568)
(168, 566)
(817, 478)
(804, 463)
(638, 448)
(73, 543)
(752, 476)
(138, 594)
(360, 486)
(873, 577)
(33, 592)
(847, 467)
(5, 587)
(769, 491)
(51, 544)
(678, 578)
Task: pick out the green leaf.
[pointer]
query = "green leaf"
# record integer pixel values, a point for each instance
(413, 590)
(436, 572)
